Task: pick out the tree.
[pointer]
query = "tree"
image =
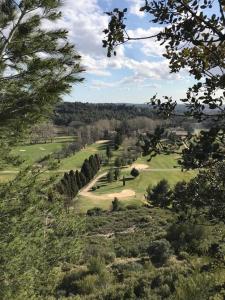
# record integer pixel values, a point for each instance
(98, 161)
(118, 162)
(27, 266)
(109, 153)
(78, 179)
(203, 195)
(160, 194)
(194, 40)
(118, 140)
(159, 251)
(36, 56)
(115, 204)
(110, 176)
(134, 172)
(93, 164)
(117, 173)
(83, 179)
(86, 170)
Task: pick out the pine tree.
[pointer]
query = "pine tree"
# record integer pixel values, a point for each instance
(23, 39)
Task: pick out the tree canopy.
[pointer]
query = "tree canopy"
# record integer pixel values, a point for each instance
(37, 63)
(194, 39)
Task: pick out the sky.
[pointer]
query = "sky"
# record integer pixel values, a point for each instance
(139, 70)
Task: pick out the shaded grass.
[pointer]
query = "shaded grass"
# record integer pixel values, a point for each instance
(75, 161)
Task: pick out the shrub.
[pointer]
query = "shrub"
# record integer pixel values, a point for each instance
(187, 237)
(134, 172)
(159, 251)
(115, 204)
(96, 211)
(87, 285)
(96, 265)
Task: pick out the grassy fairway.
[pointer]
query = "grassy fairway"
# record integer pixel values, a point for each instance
(140, 183)
(160, 167)
(75, 161)
(82, 204)
(31, 153)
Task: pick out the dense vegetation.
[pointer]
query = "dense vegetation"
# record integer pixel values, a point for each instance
(167, 244)
(79, 113)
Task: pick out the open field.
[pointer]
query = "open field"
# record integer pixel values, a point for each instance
(160, 167)
(32, 153)
(75, 161)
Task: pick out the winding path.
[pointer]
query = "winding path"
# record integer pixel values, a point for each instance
(85, 192)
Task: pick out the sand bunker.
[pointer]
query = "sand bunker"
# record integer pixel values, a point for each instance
(123, 194)
(22, 150)
(102, 141)
(42, 149)
(140, 166)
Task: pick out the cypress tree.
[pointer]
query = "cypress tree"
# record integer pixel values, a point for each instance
(93, 165)
(83, 179)
(73, 182)
(97, 160)
(78, 180)
(86, 170)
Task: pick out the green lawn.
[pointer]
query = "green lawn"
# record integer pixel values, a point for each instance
(163, 167)
(31, 153)
(82, 204)
(75, 161)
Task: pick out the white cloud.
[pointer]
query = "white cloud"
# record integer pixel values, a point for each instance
(85, 21)
(150, 46)
(135, 6)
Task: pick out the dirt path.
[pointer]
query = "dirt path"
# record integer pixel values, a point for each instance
(86, 191)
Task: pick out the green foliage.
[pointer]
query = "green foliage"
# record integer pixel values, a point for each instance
(134, 172)
(189, 237)
(203, 195)
(117, 173)
(159, 251)
(190, 35)
(38, 236)
(110, 176)
(116, 204)
(109, 153)
(49, 76)
(96, 211)
(160, 194)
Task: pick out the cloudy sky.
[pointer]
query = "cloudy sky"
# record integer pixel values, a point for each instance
(137, 72)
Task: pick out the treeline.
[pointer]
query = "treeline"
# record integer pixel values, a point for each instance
(87, 113)
(73, 181)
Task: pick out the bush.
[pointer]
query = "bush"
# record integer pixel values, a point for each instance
(159, 251)
(134, 172)
(96, 211)
(116, 204)
(187, 237)
(96, 265)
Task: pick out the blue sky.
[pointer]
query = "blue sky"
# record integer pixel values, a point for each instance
(137, 72)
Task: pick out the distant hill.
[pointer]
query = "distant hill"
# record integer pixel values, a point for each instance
(87, 113)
